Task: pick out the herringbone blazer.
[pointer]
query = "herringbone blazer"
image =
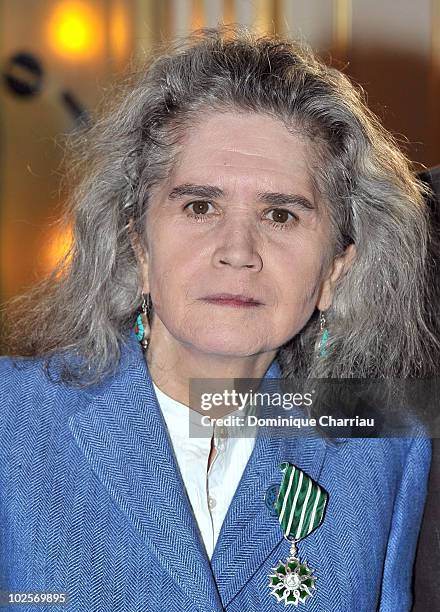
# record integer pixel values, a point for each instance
(92, 504)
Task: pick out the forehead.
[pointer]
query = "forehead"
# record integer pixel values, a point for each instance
(249, 147)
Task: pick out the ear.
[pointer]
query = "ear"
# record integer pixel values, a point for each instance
(338, 269)
(141, 255)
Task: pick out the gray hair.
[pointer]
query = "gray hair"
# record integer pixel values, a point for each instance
(378, 322)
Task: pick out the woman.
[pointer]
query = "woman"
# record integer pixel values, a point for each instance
(242, 198)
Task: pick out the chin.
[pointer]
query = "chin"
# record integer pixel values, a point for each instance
(234, 345)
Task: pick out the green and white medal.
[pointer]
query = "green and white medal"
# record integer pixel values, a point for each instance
(300, 506)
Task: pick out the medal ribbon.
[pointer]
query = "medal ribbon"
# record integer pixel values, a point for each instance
(300, 503)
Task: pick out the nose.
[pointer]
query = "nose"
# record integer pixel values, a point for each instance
(237, 248)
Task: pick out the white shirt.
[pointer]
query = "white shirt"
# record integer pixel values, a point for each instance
(210, 492)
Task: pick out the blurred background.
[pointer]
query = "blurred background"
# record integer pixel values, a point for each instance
(57, 57)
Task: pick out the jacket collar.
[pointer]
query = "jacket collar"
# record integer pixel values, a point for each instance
(123, 435)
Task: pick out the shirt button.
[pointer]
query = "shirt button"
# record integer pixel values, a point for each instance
(211, 502)
(222, 432)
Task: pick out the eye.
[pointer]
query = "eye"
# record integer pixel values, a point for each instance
(282, 217)
(200, 208)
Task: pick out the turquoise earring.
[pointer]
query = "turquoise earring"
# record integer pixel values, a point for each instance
(324, 336)
(142, 327)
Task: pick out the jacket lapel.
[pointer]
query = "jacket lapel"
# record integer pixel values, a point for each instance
(123, 435)
(250, 532)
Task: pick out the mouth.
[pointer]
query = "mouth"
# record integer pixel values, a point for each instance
(230, 299)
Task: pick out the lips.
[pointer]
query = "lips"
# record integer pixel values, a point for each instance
(232, 299)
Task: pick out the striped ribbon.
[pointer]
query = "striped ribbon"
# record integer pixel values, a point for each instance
(300, 503)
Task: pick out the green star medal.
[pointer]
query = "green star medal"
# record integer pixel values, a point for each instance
(300, 506)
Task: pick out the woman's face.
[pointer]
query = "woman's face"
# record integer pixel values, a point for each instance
(237, 215)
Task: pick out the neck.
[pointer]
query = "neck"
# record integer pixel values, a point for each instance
(172, 368)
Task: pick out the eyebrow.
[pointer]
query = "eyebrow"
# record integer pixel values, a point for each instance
(267, 197)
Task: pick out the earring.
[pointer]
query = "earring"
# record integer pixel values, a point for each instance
(142, 325)
(324, 335)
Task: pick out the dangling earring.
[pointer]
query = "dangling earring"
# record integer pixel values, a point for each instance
(324, 335)
(142, 326)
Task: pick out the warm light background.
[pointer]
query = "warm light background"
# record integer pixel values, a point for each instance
(391, 47)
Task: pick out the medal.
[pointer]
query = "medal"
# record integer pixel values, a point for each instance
(300, 507)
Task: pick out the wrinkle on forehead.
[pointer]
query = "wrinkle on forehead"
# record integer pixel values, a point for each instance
(244, 137)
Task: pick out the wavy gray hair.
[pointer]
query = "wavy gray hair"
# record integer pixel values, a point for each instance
(379, 324)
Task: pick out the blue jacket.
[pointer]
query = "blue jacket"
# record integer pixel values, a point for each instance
(92, 504)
